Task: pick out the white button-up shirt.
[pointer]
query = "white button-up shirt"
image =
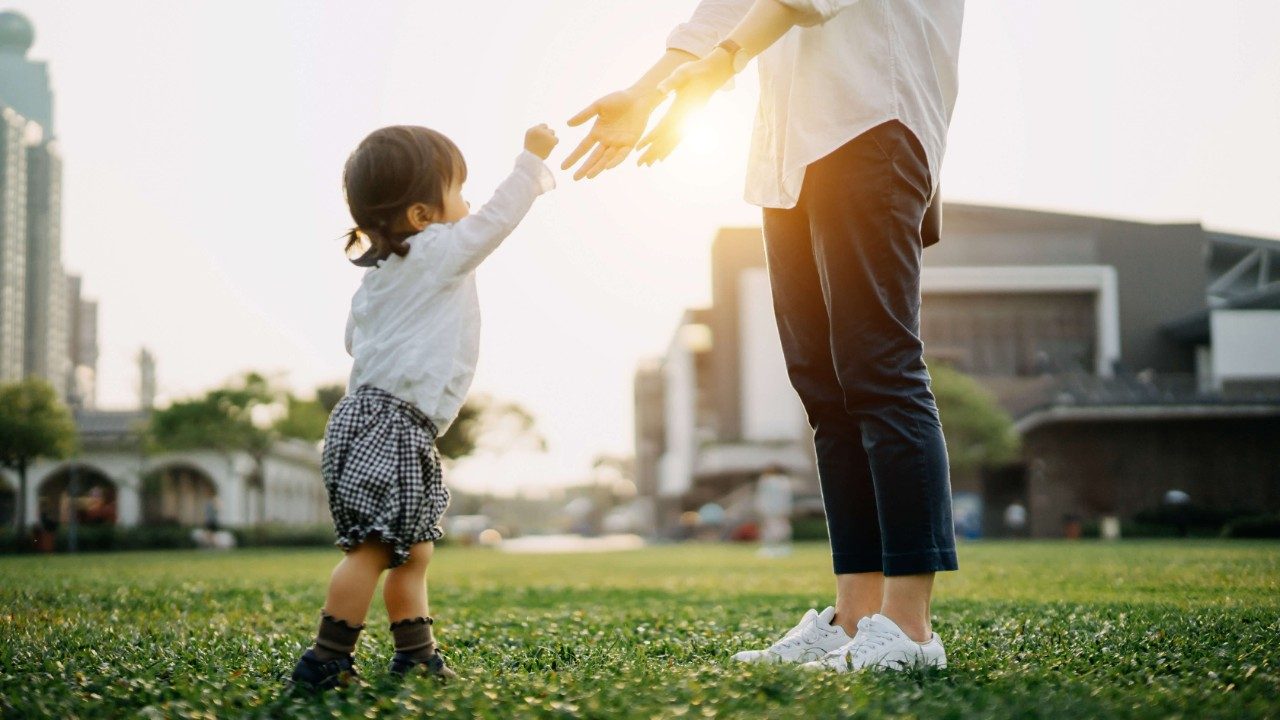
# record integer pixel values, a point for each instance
(854, 64)
(414, 326)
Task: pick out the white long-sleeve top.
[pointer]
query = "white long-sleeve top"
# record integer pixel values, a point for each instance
(414, 325)
(854, 64)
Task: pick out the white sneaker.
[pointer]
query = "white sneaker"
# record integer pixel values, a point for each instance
(812, 639)
(881, 644)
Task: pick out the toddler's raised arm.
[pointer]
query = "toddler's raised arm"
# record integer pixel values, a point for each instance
(477, 235)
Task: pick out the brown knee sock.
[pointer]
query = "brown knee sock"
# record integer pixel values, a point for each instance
(335, 638)
(413, 636)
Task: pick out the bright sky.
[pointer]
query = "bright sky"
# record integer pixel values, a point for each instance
(203, 144)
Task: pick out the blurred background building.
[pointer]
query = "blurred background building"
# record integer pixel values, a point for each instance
(1135, 359)
(46, 329)
(49, 330)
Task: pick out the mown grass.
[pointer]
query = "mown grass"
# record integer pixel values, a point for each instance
(1131, 630)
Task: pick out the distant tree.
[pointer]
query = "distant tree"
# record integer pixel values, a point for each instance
(329, 395)
(979, 432)
(487, 424)
(303, 419)
(482, 424)
(222, 420)
(33, 424)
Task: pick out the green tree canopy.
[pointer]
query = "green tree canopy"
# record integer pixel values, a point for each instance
(979, 432)
(221, 419)
(34, 423)
(487, 424)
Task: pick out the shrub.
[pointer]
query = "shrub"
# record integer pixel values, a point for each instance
(1253, 526)
(106, 538)
(274, 535)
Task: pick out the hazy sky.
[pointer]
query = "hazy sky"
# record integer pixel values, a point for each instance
(203, 145)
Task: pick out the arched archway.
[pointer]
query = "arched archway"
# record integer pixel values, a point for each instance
(94, 491)
(179, 494)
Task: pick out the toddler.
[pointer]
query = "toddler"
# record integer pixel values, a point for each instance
(414, 333)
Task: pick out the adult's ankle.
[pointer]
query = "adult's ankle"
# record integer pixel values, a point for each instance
(918, 630)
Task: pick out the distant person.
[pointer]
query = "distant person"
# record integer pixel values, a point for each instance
(211, 516)
(855, 101)
(414, 332)
(774, 504)
(1015, 519)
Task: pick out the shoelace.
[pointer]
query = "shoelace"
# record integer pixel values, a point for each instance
(875, 637)
(868, 638)
(808, 635)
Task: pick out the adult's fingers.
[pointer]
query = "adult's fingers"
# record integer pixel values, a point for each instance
(592, 160)
(664, 138)
(618, 157)
(605, 162)
(586, 114)
(578, 152)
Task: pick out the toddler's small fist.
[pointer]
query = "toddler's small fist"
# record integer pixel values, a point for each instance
(540, 140)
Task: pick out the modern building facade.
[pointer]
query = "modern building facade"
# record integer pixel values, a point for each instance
(45, 327)
(13, 244)
(47, 339)
(1136, 359)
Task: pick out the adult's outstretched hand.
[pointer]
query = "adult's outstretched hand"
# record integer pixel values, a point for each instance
(693, 85)
(620, 120)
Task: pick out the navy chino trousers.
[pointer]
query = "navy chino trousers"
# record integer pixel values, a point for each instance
(844, 265)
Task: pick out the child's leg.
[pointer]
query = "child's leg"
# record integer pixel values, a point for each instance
(353, 581)
(351, 589)
(405, 593)
(405, 590)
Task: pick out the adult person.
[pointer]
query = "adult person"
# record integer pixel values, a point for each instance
(856, 97)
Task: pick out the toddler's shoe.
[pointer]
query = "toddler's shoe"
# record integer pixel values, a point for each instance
(404, 663)
(312, 673)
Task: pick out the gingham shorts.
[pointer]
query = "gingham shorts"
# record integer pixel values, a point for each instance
(382, 471)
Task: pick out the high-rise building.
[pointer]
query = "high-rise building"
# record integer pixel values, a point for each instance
(13, 244)
(47, 340)
(35, 317)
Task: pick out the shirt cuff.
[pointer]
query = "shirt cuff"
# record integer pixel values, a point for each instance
(537, 170)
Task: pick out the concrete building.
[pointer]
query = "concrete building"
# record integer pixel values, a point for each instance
(1135, 358)
(46, 338)
(717, 408)
(13, 244)
(34, 323)
(82, 321)
(118, 484)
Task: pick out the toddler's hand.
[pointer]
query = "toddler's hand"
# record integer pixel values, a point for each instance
(540, 140)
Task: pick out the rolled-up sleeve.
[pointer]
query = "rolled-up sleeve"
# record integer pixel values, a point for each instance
(817, 12)
(711, 22)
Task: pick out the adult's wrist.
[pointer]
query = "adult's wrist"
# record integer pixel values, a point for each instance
(645, 95)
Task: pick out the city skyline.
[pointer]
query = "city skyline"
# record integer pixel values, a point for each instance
(615, 260)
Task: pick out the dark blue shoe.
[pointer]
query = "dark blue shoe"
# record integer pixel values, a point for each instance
(403, 663)
(315, 674)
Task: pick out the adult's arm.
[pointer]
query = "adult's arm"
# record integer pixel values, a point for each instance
(763, 24)
(621, 117)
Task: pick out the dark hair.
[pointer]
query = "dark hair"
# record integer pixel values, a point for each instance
(390, 170)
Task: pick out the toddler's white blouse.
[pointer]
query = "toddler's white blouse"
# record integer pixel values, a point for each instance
(414, 325)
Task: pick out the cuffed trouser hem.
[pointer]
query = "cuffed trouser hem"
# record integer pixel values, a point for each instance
(916, 563)
(850, 563)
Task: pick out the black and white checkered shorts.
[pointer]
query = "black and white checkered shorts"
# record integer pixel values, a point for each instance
(382, 471)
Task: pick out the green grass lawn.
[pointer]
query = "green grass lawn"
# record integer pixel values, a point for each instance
(1168, 629)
